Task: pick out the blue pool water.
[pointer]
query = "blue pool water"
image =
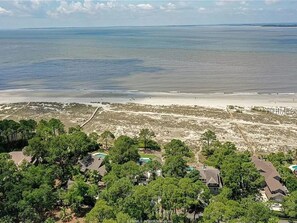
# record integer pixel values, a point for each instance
(100, 155)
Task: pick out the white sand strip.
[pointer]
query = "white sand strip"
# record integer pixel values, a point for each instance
(206, 100)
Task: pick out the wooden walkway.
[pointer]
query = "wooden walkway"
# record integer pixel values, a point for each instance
(92, 116)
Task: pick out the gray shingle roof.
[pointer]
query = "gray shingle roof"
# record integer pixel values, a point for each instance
(91, 162)
(210, 175)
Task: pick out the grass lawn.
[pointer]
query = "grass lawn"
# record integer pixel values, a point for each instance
(144, 155)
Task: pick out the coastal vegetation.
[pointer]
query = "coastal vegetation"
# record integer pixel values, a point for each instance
(52, 186)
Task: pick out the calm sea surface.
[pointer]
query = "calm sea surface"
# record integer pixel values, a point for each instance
(186, 59)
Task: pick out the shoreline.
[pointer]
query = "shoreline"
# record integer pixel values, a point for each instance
(213, 100)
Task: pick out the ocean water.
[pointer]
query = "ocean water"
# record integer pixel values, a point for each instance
(194, 59)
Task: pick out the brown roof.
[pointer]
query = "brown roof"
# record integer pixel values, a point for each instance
(270, 195)
(268, 171)
(102, 170)
(18, 157)
(265, 167)
(91, 162)
(211, 175)
(274, 184)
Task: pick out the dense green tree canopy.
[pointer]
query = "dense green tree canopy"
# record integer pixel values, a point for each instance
(245, 211)
(175, 166)
(238, 172)
(145, 140)
(80, 193)
(94, 136)
(241, 176)
(208, 137)
(139, 204)
(280, 158)
(130, 170)
(176, 148)
(219, 155)
(124, 150)
(107, 137)
(8, 179)
(34, 192)
(47, 129)
(256, 212)
(123, 218)
(221, 211)
(209, 142)
(290, 205)
(177, 194)
(62, 150)
(100, 212)
(27, 194)
(37, 148)
(194, 175)
(117, 191)
(15, 135)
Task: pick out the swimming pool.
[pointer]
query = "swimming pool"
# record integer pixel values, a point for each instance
(100, 155)
(190, 168)
(141, 159)
(144, 160)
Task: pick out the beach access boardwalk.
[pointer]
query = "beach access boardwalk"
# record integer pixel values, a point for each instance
(91, 117)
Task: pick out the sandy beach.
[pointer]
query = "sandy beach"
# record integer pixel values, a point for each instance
(218, 100)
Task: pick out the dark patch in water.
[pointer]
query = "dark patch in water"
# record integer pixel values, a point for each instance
(72, 74)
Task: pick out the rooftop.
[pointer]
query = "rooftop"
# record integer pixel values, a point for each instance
(272, 178)
(91, 162)
(19, 157)
(211, 175)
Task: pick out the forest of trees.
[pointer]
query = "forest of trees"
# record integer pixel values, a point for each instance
(38, 191)
(15, 135)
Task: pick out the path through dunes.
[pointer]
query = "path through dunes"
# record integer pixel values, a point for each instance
(249, 130)
(92, 116)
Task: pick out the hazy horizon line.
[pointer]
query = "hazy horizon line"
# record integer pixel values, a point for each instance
(176, 25)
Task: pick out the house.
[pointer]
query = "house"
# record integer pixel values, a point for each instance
(274, 189)
(211, 177)
(18, 157)
(91, 162)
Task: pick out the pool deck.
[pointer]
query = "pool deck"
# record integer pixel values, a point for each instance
(293, 167)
